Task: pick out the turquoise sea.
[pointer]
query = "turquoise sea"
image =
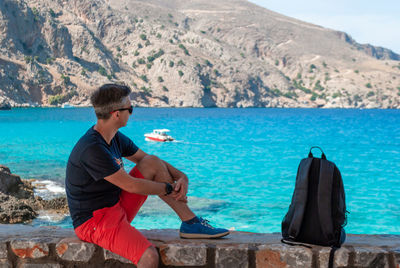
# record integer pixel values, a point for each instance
(242, 163)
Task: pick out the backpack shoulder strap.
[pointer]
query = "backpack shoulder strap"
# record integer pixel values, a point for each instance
(300, 197)
(332, 256)
(325, 187)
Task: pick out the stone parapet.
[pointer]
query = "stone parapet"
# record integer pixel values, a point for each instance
(29, 247)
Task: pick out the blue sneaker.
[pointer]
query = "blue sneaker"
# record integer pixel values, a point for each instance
(201, 230)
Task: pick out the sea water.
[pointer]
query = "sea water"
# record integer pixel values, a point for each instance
(241, 163)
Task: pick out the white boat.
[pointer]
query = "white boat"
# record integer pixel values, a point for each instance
(159, 135)
(67, 105)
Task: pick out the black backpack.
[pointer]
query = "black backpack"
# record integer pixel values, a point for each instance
(317, 213)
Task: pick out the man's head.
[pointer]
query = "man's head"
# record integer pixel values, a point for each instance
(109, 98)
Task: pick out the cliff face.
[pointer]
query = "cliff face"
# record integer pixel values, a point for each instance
(186, 53)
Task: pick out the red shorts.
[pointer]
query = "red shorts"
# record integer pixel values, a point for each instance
(110, 227)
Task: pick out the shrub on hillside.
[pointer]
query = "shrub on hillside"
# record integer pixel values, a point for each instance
(52, 13)
(65, 79)
(102, 71)
(144, 78)
(181, 46)
(318, 86)
(181, 63)
(370, 94)
(56, 99)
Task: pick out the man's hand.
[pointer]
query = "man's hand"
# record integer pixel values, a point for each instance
(180, 189)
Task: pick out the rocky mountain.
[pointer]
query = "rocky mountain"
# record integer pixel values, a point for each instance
(176, 53)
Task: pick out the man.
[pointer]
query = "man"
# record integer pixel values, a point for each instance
(103, 199)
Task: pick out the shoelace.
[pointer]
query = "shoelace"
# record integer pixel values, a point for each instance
(205, 223)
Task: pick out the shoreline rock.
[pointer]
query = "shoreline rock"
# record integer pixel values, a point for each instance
(4, 104)
(19, 204)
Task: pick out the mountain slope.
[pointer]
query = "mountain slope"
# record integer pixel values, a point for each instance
(229, 53)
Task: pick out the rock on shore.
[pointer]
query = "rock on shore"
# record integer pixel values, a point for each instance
(18, 202)
(4, 104)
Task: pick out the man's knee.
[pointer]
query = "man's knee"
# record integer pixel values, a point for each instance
(149, 258)
(153, 168)
(149, 166)
(149, 161)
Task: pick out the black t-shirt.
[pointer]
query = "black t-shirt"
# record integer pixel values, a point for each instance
(90, 161)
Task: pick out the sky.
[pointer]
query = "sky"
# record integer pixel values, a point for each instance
(367, 21)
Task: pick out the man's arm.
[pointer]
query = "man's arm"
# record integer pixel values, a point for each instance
(134, 185)
(176, 173)
(182, 182)
(136, 157)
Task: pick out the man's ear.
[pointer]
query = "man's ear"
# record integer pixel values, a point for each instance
(115, 114)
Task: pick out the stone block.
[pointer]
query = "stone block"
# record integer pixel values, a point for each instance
(341, 258)
(108, 255)
(396, 253)
(27, 264)
(232, 256)
(31, 248)
(183, 254)
(3, 250)
(4, 263)
(283, 256)
(73, 249)
(371, 257)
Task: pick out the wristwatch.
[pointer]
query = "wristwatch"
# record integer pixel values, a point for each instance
(168, 188)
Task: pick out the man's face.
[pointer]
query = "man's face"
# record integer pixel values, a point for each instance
(124, 115)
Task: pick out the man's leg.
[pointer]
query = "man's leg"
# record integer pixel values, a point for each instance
(152, 168)
(149, 258)
(110, 229)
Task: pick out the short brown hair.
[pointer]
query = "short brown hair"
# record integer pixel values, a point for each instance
(108, 98)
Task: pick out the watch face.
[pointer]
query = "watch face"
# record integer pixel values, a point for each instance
(168, 188)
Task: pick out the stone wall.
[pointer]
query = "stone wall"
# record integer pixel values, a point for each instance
(29, 247)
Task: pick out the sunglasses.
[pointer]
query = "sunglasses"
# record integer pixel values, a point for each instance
(130, 110)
